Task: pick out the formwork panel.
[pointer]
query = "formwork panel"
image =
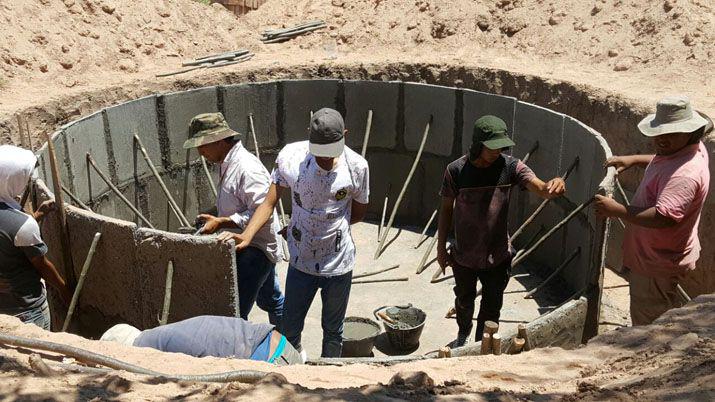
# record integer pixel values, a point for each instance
(136, 117)
(204, 281)
(257, 99)
(87, 136)
(389, 171)
(300, 97)
(58, 140)
(421, 101)
(478, 104)
(180, 108)
(380, 97)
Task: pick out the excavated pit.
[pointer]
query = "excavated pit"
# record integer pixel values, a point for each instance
(126, 283)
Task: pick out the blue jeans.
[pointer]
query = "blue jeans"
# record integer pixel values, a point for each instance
(300, 292)
(39, 316)
(257, 283)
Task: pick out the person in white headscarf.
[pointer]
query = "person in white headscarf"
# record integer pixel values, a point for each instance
(23, 260)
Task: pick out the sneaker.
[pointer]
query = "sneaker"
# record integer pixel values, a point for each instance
(460, 341)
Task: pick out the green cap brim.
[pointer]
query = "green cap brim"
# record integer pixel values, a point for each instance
(499, 143)
(217, 135)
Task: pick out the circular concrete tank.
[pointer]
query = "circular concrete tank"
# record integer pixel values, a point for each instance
(205, 271)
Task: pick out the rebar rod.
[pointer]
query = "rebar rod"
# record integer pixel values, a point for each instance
(683, 293)
(80, 282)
(209, 178)
(291, 35)
(214, 59)
(234, 52)
(294, 31)
(75, 199)
(368, 126)
(402, 279)
(404, 188)
(116, 191)
(553, 230)
(379, 271)
(167, 193)
(531, 240)
(543, 204)
(421, 267)
(186, 70)
(272, 32)
(253, 134)
(424, 231)
(66, 250)
(567, 261)
(246, 376)
(167, 293)
(230, 62)
(622, 192)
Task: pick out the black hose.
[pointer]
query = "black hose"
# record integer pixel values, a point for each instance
(245, 376)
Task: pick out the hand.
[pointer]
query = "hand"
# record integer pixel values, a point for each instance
(556, 187)
(444, 258)
(621, 163)
(607, 207)
(210, 223)
(242, 240)
(44, 209)
(284, 232)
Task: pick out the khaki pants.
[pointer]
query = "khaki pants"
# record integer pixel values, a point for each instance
(651, 297)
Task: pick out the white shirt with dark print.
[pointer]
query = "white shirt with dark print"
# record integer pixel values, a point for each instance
(319, 238)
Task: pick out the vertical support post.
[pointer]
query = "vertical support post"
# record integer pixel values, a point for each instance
(594, 289)
(208, 177)
(367, 133)
(80, 283)
(167, 293)
(185, 193)
(253, 134)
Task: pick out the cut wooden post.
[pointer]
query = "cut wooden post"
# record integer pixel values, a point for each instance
(367, 133)
(80, 283)
(421, 267)
(253, 134)
(491, 327)
(517, 344)
(445, 352)
(167, 293)
(64, 232)
(208, 177)
(157, 176)
(496, 344)
(486, 343)
(404, 189)
(521, 330)
(429, 222)
(451, 312)
(116, 191)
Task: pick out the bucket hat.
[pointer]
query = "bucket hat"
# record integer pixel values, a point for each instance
(491, 132)
(327, 133)
(673, 114)
(207, 128)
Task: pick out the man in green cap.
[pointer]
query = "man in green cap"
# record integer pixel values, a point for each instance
(475, 196)
(243, 185)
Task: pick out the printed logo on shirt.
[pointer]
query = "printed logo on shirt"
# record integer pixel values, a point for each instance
(342, 193)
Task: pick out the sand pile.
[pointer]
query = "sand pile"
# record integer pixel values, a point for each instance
(621, 33)
(66, 39)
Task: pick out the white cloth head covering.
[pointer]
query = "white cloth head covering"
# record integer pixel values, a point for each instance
(16, 167)
(122, 333)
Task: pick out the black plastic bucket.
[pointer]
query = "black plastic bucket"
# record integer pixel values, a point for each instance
(359, 336)
(405, 333)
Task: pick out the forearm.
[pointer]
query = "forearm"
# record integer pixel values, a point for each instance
(262, 214)
(640, 160)
(49, 273)
(645, 217)
(445, 222)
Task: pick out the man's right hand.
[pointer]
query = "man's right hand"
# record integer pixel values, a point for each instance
(210, 223)
(444, 259)
(242, 240)
(621, 163)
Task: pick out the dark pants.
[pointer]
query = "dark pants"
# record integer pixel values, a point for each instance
(257, 283)
(300, 292)
(494, 281)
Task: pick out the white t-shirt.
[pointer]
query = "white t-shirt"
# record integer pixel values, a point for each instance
(319, 238)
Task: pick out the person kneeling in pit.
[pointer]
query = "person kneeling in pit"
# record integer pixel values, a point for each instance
(475, 196)
(209, 335)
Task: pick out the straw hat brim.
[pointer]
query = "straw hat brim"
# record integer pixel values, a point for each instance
(650, 128)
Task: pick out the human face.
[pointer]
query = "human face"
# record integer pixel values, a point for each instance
(668, 144)
(214, 152)
(489, 155)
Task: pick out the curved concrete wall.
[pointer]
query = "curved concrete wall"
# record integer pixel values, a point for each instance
(281, 111)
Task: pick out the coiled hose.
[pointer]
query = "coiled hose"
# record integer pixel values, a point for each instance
(244, 376)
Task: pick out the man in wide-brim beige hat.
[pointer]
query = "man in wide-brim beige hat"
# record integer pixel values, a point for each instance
(661, 242)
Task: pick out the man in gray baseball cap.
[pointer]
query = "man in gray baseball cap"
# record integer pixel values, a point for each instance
(329, 185)
(661, 244)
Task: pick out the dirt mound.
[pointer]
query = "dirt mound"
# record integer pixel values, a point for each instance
(622, 34)
(67, 39)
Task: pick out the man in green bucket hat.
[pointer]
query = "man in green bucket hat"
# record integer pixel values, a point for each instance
(242, 187)
(475, 200)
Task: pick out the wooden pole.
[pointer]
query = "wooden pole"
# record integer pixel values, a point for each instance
(80, 283)
(208, 177)
(517, 344)
(421, 267)
(379, 271)
(167, 293)
(486, 343)
(20, 131)
(75, 199)
(491, 327)
(521, 330)
(66, 250)
(403, 279)
(253, 134)
(496, 344)
(404, 188)
(185, 193)
(424, 231)
(367, 133)
(382, 219)
(563, 265)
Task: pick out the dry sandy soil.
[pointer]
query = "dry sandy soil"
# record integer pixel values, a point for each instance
(63, 58)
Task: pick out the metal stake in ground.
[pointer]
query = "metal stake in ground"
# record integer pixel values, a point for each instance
(167, 293)
(116, 191)
(80, 283)
(172, 203)
(367, 133)
(64, 232)
(404, 188)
